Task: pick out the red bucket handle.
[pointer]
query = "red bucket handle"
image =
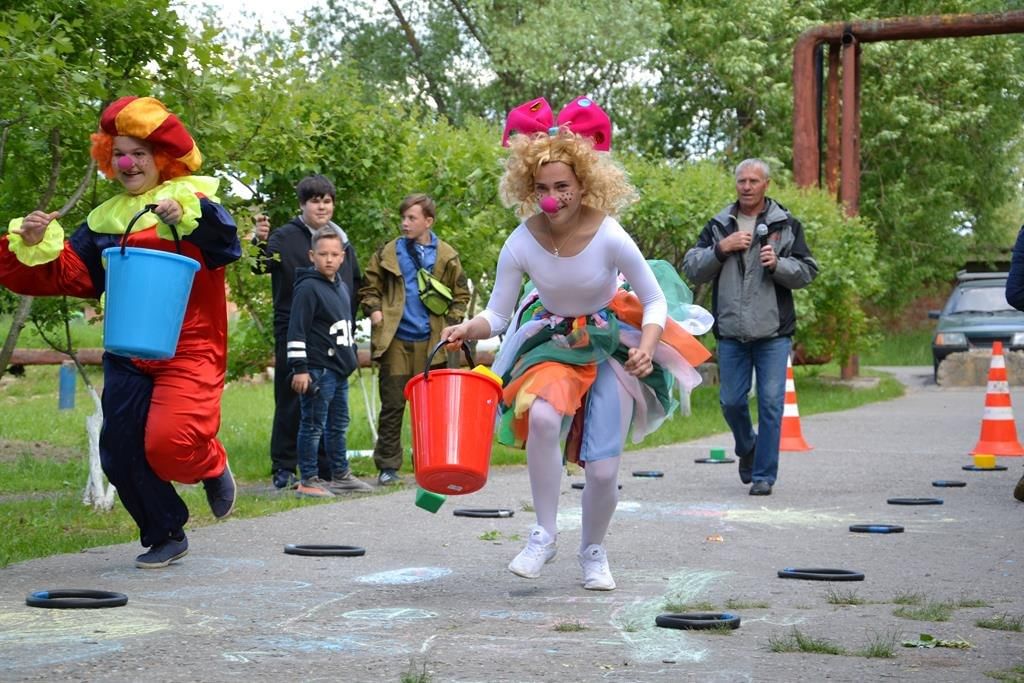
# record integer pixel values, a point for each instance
(443, 342)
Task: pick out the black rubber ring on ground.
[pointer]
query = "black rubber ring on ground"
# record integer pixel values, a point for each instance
(949, 483)
(324, 550)
(482, 512)
(973, 468)
(698, 621)
(821, 574)
(877, 528)
(712, 461)
(75, 598)
(652, 474)
(580, 485)
(914, 501)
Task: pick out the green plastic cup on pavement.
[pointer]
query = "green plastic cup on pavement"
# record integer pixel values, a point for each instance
(429, 501)
(718, 454)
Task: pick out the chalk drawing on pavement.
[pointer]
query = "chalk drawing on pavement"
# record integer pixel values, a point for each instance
(189, 570)
(390, 614)
(761, 515)
(405, 576)
(45, 637)
(651, 643)
(278, 645)
(509, 615)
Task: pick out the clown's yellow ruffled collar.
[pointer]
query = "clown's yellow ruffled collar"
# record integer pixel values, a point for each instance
(112, 216)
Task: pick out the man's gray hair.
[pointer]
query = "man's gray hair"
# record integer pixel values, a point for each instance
(760, 164)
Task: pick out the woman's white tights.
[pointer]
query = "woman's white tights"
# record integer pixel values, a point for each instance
(544, 464)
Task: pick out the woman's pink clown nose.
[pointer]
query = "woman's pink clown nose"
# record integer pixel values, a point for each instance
(549, 205)
(124, 163)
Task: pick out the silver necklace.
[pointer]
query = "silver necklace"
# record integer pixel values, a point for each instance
(554, 246)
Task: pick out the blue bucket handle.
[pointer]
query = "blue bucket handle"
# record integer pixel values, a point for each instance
(430, 358)
(146, 209)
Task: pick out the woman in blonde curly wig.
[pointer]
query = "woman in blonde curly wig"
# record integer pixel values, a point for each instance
(608, 188)
(584, 356)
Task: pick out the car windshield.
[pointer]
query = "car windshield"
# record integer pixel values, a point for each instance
(981, 300)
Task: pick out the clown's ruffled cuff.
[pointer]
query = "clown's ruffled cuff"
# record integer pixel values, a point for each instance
(37, 254)
(190, 210)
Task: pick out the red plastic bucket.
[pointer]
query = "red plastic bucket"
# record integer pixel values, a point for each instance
(453, 414)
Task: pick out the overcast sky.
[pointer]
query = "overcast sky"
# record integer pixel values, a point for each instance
(273, 13)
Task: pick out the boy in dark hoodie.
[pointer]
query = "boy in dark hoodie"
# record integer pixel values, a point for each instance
(321, 356)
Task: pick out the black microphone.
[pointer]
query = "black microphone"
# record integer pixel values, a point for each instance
(762, 234)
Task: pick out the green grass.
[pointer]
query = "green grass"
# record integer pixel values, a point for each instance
(41, 480)
(84, 334)
(676, 606)
(736, 604)
(1002, 622)
(881, 645)
(797, 641)
(843, 596)
(569, 627)
(908, 598)
(904, 348)
(932, 611)
(1014, 675)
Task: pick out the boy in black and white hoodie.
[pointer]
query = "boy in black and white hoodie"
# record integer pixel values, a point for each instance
(321, 355)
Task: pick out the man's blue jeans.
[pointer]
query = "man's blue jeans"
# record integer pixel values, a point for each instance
(324, 409)
(768, 358)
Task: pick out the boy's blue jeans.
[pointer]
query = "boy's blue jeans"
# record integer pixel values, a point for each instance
(324, 409)
(767, 357)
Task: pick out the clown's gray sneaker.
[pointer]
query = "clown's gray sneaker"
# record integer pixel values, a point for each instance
(596, 574)
(220, 493)
(162, 554)
(540, 549)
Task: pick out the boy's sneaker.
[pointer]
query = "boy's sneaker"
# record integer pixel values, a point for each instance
(596, 574)
(388, 478)
(540, 549)
(220, 493)
(283, 479)
(344, 482)
(162, 554)
(314, 487)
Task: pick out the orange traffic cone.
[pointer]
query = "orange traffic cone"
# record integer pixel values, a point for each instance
(792, 438)
(998, 431)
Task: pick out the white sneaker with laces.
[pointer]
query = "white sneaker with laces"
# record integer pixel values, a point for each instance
(596, 574)
(540, 549)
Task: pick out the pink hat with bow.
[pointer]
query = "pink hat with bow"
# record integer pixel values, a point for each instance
(581, 116)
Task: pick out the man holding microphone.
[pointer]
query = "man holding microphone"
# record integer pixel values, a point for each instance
(752, 301)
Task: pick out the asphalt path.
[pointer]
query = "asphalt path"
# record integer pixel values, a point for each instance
(431, 599)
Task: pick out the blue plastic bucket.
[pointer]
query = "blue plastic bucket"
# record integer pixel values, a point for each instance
(147, 292)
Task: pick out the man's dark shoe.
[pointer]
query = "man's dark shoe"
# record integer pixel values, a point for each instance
(220, 493)
(761, 488)
(283, 479)
(388, 478)
(162, 554)
(1018, 491)
(747, 466)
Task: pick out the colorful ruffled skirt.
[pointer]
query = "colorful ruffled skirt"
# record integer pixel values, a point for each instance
(576, 365)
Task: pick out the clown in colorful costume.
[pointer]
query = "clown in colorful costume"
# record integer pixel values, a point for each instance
(161, 417)
(590, 353)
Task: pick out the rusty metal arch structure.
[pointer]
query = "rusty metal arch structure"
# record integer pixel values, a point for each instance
(842, 161)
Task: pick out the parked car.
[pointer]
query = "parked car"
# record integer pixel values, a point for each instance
(975, 315)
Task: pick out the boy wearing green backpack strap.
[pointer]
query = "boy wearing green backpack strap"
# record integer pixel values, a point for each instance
(403, 328)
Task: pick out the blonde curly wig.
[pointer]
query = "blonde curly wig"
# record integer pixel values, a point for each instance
(606, 186)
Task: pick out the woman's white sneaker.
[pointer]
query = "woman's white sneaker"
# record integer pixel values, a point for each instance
(540, 549)
(596, 574)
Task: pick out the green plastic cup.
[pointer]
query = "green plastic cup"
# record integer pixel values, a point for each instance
(718, 454)
(429, 501)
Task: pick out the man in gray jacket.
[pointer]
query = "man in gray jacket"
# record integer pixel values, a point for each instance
(755, 254)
